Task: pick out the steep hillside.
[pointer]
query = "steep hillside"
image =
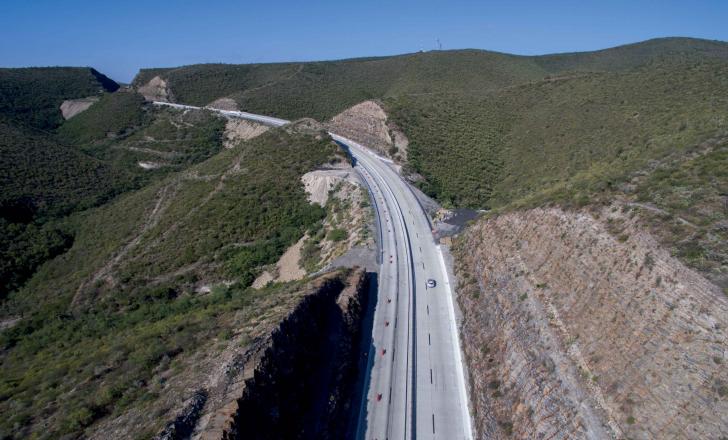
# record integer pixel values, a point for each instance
(34, 95)
(154, 261)
(144, 140)
(40, 180)
(573, 328)
(568, 136)
(368, 124)
(119, 144)
(113, 115)
(100, 341)
(489, 128)
(47, 177)
(604, 316)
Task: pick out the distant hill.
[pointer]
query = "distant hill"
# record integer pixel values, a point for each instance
(631, 56)
(491, 150)
(50, 168)
(34, 94)
(323, 89)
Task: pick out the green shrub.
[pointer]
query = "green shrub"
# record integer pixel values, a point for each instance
(338, 235)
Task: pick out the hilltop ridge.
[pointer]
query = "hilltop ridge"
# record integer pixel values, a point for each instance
(321, 89)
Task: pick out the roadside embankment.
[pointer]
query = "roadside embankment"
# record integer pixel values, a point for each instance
(573, 331)
(301, 381)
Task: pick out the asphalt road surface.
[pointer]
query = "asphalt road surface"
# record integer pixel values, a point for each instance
(416, 384)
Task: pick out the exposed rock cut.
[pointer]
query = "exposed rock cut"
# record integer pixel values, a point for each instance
(275, 376)
(319, 183)
(573, 332)
(237, 130)
(224, 104)
(201, 400)
(156, 90)
(304, 386)
(72, 107)
(346, 201)
(350, 213)
(263, 280)
(287, 268)
(367, 123)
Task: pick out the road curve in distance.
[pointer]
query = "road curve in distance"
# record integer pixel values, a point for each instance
(416, 377)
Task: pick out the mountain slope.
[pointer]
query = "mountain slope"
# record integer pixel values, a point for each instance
(41, 179)
(51, 169)
(557, 134)
(34, 94)
(323, 89)
(135, 300)
(604, 172)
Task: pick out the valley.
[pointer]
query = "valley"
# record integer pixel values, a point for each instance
(222, 251)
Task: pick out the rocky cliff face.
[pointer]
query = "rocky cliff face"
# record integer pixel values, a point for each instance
(303, 386)
(368, 124)
(301, 381)
(573, 331)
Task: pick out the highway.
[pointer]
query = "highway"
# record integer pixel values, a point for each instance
(416, 383)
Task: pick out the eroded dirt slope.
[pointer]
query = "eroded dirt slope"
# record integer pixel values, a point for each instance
(237, 130)
(368, 124)
(72, 107)
(156, 90)
(571, 331)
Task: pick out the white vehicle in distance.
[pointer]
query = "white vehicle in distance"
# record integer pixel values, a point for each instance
(431, 283)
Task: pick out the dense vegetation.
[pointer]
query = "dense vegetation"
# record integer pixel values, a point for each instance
(588, 139)
(40, 180)
(685, 204)
(490, 128)
(88, 347)
(322, 89)
(93, 158)
(40, 175)
(561, 138)
(125, 132)
(114, 115)
(33, 95)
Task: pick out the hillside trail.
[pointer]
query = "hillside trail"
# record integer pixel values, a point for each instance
(164, 197)
(233, 169)
(163, 201)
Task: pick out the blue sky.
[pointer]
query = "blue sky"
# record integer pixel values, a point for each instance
(119, 37)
